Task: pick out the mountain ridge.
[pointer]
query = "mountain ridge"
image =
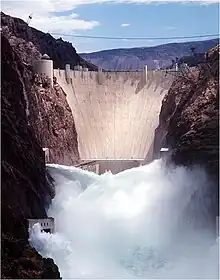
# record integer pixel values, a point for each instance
(135, 58)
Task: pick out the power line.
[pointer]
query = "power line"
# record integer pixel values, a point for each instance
(134, 38)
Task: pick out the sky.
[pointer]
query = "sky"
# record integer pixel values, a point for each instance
(118, 18)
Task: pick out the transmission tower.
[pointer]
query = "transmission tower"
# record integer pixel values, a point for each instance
(30, 18)
(157, 63)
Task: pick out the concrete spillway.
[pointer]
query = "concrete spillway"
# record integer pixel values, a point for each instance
(115, 113)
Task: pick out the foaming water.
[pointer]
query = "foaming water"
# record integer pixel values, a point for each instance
(136, 224)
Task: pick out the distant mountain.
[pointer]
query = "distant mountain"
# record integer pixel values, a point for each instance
(136, 58)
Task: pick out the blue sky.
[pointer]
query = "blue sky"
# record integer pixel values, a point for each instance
(152, 20)
(122, 18)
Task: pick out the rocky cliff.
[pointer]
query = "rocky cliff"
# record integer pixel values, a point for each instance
(24, 190)
(31, 43)
(52, 121)
(47, 109)
(34, 115)
(189, 119)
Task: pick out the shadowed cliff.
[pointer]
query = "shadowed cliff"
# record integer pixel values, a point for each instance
(25, 192)
(34, 115)
(189, 120)
(47, 108)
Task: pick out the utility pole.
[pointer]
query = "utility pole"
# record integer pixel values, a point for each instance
(157, 63)
(29, 18)
(193, 50)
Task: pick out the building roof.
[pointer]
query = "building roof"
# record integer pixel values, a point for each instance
(164, 149)
(45, 56)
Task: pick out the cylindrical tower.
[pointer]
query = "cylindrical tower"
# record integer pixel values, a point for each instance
(44, 66)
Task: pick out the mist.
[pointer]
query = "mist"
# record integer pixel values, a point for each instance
(139, 223)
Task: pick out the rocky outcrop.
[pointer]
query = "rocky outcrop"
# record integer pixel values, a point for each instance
(24, 191)
(31, 43)
(46, 107)
(189, 118)
(52, 121)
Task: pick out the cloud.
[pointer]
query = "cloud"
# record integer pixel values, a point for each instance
(63, 23)
(45, 15)
(209, 2)
(164, 1)
(170, 27)
(46, 12)
(125, 24)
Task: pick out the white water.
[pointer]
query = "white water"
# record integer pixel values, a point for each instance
(130, 225)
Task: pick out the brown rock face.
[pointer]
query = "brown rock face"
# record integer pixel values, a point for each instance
(25, 192)
(189, 119)
(46, 107)
(53, 122)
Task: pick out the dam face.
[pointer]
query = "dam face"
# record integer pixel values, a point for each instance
(115, 113)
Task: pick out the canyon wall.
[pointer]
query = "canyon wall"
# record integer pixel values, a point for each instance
(34, 115)
(189, 120)
(52, 121)
(25, 192)
(46, 106)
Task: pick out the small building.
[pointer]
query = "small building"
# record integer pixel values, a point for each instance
(46, 224)
(164, 152)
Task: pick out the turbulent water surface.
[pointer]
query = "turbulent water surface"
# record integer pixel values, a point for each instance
(139, 223)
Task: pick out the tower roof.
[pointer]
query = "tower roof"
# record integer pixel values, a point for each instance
(45, 56)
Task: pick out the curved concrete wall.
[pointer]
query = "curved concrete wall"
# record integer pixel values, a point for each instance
(116, 113)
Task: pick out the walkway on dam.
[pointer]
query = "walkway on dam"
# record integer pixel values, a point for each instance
(116, 113)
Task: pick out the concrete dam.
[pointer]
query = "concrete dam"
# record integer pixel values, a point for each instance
(116, 113)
